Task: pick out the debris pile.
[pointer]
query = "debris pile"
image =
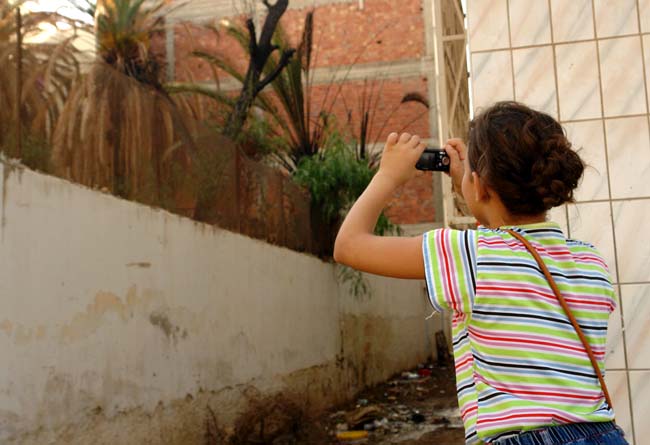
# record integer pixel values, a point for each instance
(406, 409)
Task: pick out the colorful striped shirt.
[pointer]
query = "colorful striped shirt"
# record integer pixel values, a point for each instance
(519, 362)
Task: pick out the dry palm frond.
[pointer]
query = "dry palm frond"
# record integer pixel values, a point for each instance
(119, 129)
(48, 70)
(118, 133)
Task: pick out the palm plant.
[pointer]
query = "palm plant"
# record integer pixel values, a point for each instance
(293, 129)
(35, 80)
(119, 128)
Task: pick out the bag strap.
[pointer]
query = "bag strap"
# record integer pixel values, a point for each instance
(565, 306)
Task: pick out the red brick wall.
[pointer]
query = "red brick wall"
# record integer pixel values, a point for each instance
(385, 31)
(413, 203)
(388, 113)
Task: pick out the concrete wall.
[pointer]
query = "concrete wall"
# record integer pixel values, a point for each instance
(121, 323)
(587, 62)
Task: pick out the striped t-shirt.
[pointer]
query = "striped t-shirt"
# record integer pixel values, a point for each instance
(519, 362)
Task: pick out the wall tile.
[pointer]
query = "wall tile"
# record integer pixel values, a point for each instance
(572, 20)
(558, 215)
(535, 79)
(640, 390)
(578, 84)
(615, 18)
(615, 358)
(622, 76)
(488, 24)
(589, 140)
(591, 223)
(632, 219)
(491, 77)
(636, 317)
(628, 151)
(530, 23)
(644, 12)
(617, 385)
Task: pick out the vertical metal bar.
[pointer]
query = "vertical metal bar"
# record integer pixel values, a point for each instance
(170, 49)
(19, 83)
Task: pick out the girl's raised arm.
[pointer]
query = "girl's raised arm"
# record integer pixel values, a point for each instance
(356, 244)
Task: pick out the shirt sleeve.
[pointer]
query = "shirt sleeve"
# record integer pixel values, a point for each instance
(450, 267)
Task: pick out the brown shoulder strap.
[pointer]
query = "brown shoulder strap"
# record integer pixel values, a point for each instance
(566, 308)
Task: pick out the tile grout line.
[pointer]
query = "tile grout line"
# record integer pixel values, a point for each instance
(557, 85)
(557, 97)
(633, 370)
(594, 201)
(643, 64)
(607, 118)
(568, 42)
(512, 61)
(632, 283)
(611, 215)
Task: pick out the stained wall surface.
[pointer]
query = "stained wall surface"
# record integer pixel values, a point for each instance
(587, 63)
(121, 323)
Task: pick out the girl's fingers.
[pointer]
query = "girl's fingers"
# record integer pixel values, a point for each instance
(452, 153)
(458, 145)
(414, 142)
(404, 138)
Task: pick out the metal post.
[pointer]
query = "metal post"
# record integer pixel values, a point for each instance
(19, 83)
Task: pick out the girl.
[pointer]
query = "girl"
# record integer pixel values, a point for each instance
(523, 375)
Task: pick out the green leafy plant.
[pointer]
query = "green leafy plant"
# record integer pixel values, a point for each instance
(335, 178)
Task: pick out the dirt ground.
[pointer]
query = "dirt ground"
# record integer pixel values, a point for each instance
(418, 407)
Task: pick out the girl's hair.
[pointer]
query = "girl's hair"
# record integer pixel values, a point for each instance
(524, 156)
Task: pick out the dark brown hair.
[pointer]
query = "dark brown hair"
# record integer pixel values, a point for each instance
(524, 156)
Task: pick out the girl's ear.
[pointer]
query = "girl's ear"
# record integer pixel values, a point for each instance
(480, 189)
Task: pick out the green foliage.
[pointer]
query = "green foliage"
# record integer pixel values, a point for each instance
(335, 178)
(356, 282)
(124, 30)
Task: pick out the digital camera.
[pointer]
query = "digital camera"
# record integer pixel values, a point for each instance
(434, 159)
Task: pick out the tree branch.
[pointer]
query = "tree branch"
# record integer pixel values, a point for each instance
(282, 63)
(252, 41)
(272, 19)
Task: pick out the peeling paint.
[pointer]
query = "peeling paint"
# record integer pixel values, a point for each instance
(22, 335)
(86, 323)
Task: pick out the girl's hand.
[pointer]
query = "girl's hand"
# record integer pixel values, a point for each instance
(399, 157)
(457, 152)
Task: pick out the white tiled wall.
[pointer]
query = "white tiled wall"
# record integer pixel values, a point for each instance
(588, 63)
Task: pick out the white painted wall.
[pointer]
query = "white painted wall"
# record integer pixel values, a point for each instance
(109, 308)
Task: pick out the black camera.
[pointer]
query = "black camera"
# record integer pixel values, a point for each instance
(434, 159)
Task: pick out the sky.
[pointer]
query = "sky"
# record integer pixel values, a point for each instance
(49, 31)
(64, 7)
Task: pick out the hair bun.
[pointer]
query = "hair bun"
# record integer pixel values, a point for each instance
(556, 172)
